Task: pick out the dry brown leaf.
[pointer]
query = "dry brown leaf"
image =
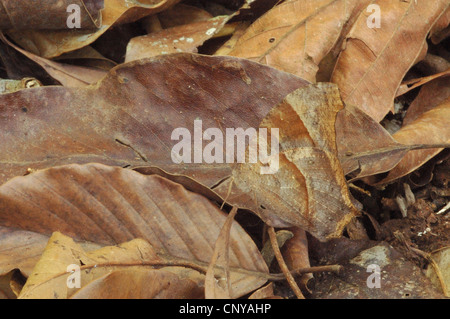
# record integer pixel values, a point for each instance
(132, 114)
(365, 147)
(22, 249)
(128, 118)
(217, 281)
(51, 275)
(430, 96)
(441, 259)
(140, 284)
(44, 14)
(431, 127)
(375, 60)
(181, 14)
(184, 38)
(110, 205)
(415, 83)
(441, 28)
(122, 271)
(296, 35)
(296, 256)
(50, 44)
(265, 292)
(309, 189)
(66, 74)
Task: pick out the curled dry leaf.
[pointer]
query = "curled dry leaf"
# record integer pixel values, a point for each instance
(296, 35)
(183, 38)
(365, 147)
(441, 28)
(361, 72)
(66, 74)
(110, 205)
(441, 259)
(296, 256)
(429, 128)
(50, 44)
(44, 14)
(122, 271)
(217, 281)
(431, 95)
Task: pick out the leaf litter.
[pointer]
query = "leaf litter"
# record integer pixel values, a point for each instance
(89, 184)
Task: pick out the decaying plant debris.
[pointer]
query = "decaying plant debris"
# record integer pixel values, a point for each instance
(349, 201)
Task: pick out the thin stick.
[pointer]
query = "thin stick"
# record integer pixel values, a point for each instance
(284, 268)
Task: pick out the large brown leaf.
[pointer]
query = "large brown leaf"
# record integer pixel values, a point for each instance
(309, 189)
(361, 72)
(131, 114)
(296, 35)
(111, 205)
(129, 117)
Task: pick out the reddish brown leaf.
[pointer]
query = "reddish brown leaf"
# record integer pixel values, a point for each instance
(429, 128)
(128, 118)
(309, 189)
(110, 205)
(44, 14)
(296, 35)
(140, 284)
(361, 70)
(50, 44)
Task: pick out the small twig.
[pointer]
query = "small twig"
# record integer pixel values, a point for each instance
(284, 268)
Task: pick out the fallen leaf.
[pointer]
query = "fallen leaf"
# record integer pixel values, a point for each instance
(51, 275)
(361, 72)
(50, 44)
(429, 128)
(296, 35)
(67, 74)
(441, 29)
(129, 117)
(184, 38)
(22, 249)
(430, 96)
(442, 259)
(296, 256)
(308, 188)
(140, 284)
(110, 205)
(181, 14)
(365, 147)
(217, 281)
(42, 14)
